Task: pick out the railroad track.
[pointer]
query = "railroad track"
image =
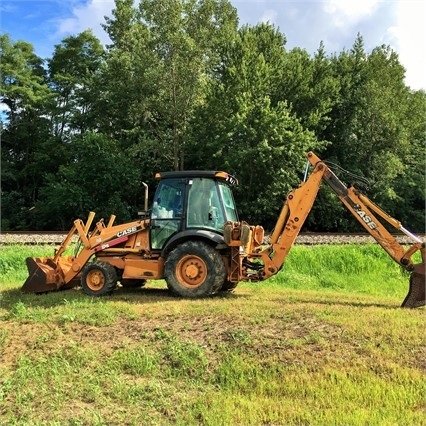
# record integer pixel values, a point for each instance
(308, 238)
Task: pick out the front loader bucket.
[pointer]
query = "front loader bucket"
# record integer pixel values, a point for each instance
(416, 293)
(44, 275)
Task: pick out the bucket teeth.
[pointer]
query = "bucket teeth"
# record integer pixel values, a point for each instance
(416, 293)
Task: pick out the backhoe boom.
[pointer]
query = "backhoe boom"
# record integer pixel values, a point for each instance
(293, 215)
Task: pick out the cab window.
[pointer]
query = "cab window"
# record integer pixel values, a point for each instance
(206, 201)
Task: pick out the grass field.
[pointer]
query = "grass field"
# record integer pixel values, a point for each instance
(322, 343)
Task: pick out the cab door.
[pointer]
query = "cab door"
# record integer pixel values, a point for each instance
(167, 211)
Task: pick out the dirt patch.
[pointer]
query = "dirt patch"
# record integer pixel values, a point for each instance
(291, 342)
(207, 331)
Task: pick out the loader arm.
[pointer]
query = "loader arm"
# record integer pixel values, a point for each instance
(53, 273)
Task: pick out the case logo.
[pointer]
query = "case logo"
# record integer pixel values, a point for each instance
(366, 218)
(127, 231)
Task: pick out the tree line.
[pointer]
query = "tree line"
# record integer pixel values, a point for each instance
(182, 86)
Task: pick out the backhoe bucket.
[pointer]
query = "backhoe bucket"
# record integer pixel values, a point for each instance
(416, 294)
(45, 274)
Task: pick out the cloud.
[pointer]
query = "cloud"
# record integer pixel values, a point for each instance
(91, 15)
(408, 37)
(269, 15)
(349, 12)
(6, 8)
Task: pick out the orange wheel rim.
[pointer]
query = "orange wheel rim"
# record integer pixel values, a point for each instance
(191, 271)
(95, 280)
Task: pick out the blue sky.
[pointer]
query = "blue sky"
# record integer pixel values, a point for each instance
(305, 23)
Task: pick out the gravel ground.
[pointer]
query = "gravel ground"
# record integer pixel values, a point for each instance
(344, 239)
(306, 238)
(41, 238)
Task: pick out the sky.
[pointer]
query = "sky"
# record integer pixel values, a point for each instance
(305, 23)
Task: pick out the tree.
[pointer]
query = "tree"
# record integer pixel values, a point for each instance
(181, 87)
(95, 177)
(243, 131)
(23, 78)
(73, 74)
(310, 87)
(124, 82)
(173, 48)
(368, 130)
(409, 184)
(24, 130)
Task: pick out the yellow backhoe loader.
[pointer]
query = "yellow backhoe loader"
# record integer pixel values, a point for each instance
(192, 237)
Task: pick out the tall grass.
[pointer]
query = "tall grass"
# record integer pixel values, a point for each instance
(12, 260)
(364, 269)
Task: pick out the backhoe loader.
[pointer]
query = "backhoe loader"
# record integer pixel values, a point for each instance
(192, 237)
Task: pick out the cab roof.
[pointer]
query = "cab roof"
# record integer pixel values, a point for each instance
(188, 174)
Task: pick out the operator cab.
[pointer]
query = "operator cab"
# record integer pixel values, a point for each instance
(191, 200)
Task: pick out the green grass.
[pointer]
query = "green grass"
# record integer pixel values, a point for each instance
(364, 269)
(12, 260)
(322, 343)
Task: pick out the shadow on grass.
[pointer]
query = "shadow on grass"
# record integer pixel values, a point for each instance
(159, 293)
(342, 303)
(144, 295)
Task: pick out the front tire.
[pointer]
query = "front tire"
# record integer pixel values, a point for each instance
(194, 269)
(98, 278)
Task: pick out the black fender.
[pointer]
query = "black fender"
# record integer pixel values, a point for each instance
(211, 237)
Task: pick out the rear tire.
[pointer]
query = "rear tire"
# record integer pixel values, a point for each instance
(194, 269)
(228, 286)
(98, 278)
